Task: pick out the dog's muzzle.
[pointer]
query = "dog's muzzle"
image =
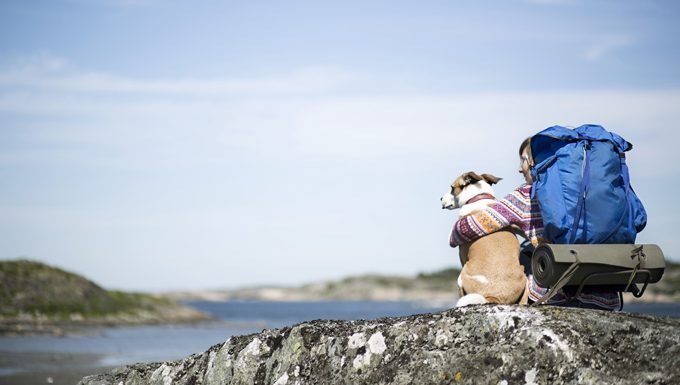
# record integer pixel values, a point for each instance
(449, 202)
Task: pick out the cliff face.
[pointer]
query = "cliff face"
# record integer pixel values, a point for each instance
(476, 345)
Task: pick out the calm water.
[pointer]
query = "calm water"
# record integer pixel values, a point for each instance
(278, 314)
(119, 346)
(661, 309)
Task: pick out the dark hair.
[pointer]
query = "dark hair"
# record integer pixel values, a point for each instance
(526, 143)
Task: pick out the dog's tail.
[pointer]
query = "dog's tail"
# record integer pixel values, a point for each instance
(471, 299)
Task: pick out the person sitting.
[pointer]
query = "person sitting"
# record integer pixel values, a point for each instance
(519, 210)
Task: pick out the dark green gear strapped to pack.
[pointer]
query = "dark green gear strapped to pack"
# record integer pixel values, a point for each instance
(621, 265)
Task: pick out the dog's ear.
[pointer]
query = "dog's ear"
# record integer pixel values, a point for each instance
(470, 177)
(490, 179)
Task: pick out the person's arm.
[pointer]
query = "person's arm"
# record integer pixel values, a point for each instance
(514, 209)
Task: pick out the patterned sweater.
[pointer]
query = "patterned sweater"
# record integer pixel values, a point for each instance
(518, 209)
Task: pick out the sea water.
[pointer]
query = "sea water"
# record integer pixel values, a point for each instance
(126, 345)
(119, 346)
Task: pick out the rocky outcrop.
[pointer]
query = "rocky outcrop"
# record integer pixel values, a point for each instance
(476, 345)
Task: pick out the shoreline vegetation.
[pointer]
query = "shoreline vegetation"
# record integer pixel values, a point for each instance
(39, 299)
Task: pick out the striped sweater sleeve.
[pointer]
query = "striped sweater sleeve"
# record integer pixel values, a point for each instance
(516, 208)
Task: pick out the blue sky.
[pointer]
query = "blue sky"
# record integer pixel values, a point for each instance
(156, 145)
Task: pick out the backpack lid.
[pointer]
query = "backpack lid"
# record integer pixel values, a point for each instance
(547, 142)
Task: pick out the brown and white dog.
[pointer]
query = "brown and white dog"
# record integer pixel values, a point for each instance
(491, 270)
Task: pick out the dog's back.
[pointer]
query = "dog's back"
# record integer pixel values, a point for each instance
(491, 268)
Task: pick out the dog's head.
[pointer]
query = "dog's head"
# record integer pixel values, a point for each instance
(467, 186)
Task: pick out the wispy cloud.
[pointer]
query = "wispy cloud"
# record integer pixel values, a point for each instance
(274, 117)
(606, 45)
(551, 2)
(47, 72)
(118, 3)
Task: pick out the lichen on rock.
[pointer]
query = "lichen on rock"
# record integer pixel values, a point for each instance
(488, 344)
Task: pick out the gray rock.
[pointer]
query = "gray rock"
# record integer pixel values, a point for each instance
(476, 345)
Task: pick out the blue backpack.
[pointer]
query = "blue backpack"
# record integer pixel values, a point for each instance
(581, 181)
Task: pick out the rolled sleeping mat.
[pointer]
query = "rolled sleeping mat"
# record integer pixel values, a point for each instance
(601, 264)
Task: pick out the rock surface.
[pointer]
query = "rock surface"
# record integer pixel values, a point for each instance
(476, 345)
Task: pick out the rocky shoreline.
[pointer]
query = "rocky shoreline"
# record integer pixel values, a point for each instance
(486, 344)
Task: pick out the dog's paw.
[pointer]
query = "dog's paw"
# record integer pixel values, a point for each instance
(471, 299)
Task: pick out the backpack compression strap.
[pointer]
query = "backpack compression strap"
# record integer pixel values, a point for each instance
(580, 206)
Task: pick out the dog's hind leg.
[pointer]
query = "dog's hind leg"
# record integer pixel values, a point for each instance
(524, 299)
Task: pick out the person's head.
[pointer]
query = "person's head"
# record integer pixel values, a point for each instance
(526, 160)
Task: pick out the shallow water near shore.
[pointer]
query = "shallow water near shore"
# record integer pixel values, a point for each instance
(64, 360)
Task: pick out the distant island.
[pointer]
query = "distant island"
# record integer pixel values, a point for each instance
(39, 299)
(435, 288)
